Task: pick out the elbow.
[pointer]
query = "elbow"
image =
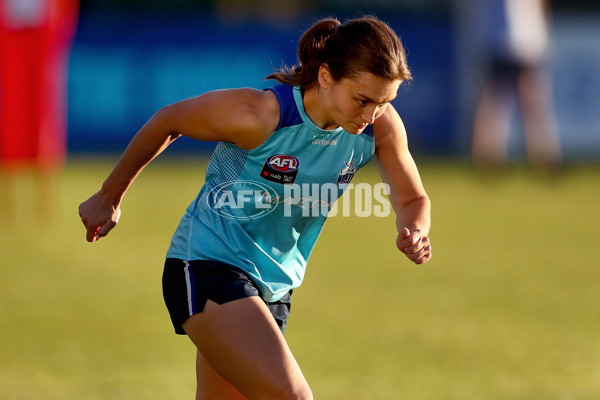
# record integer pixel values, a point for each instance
(420, 204)
(173, 136)
(164, 117)
(424, 201)
(421, 199)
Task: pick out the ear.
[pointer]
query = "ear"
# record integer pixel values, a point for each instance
(324, 77)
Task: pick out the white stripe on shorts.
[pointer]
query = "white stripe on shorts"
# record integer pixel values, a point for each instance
(188, 283)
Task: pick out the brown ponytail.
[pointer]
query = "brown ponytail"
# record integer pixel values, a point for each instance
(359, 45)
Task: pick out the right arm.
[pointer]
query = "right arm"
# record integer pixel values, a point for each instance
(245, 117)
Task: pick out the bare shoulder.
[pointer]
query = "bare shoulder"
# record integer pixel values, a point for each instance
(261, 104)
(243, 116)
(250, 115)
(389, 128)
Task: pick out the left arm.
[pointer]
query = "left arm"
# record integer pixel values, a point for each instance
(407, 194)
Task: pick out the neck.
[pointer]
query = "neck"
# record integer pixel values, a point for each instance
(315, 108)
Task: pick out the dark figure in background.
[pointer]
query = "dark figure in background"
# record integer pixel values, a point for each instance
(35, 40)
(517, 46)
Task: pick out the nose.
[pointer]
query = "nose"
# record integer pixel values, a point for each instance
(369, 115)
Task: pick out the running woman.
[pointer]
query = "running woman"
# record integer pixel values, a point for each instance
(230, 271)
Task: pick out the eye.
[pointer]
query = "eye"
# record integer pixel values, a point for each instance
(362, 102)
(381, 109)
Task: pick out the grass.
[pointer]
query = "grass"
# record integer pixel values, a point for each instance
(508, 308)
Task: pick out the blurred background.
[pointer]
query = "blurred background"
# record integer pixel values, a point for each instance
(507, 309)
(136, 56)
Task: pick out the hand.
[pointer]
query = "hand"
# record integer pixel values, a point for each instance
(414, 245)
(99, 216)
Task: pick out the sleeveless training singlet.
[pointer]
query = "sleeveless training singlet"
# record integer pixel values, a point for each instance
(262, 210)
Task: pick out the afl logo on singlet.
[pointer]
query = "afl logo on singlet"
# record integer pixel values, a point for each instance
(280, 168)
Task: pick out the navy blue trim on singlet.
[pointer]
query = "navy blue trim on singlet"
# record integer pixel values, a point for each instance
(288, 112)
(368, 130)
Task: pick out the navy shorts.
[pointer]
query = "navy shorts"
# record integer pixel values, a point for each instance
(188, 285)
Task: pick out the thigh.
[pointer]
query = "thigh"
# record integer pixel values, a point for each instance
(242, 342)
(211, 385)
(187, 285)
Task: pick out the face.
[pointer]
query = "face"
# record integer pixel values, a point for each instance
(353, 103)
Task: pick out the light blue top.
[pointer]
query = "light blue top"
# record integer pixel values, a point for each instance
(258, 209)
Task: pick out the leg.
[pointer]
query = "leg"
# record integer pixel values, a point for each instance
(8, 203)
(46, 195)
(241, 343)
(211, 385)
(492, 126)
(541, 128)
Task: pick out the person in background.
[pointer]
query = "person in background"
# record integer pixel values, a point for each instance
(517, 47)
(35, 40)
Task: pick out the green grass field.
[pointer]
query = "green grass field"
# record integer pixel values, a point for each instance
(509, 307)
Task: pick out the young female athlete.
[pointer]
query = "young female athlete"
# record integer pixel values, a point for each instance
(230, 270)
